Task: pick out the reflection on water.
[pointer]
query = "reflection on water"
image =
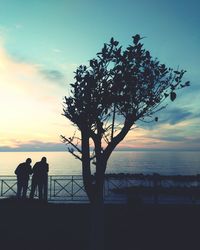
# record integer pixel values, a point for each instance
(59, 162)
(63, 163)
(162, 162)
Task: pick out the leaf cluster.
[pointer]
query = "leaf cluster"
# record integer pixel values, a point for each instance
(129, 83)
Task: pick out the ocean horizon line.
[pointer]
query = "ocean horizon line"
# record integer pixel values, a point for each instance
(116, 150)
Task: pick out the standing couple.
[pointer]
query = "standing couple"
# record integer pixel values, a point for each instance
(39, 178)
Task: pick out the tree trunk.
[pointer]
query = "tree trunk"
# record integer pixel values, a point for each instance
(94, 187)
(86, 171)
(97, 226)
(97, 211)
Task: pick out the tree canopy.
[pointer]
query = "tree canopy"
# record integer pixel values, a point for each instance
(118, 88)
(109, 96)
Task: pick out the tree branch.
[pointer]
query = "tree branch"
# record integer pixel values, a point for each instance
(71, 151)
(69, 141)
(119, 137)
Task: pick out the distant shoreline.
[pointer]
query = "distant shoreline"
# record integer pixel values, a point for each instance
(117, 150)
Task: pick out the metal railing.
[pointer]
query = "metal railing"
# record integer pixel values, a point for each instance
(60, 188)
(70, 188)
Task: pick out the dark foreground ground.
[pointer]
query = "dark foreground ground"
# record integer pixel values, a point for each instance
(31, 225)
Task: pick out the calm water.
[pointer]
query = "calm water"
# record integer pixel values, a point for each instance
(63, 163)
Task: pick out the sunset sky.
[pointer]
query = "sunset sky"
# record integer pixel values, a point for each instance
(43, 41)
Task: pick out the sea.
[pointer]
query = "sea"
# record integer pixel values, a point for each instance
(132, 162)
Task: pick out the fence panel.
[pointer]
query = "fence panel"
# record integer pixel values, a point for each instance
(70, 188)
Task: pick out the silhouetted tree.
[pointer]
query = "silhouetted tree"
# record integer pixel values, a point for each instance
(117, 89)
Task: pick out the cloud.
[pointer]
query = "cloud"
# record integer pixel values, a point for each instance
(55, 50)
(167, 117)
(169, 138)
(53, 75)
(183, 135)
(35, 146)
(172, 116)
(18, 26)
(177, 115)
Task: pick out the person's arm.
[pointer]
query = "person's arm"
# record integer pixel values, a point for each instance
(34, 167)
(47, 167)
(17, 170)
(30, 170)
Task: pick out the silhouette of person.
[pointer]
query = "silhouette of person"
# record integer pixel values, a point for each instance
(23, 171)
(40, 179)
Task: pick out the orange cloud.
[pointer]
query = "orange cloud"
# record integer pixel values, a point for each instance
(30, 104)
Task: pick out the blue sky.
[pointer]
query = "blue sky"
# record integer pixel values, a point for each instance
(43, 41)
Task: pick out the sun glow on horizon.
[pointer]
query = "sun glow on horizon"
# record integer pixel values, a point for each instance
(30, 104)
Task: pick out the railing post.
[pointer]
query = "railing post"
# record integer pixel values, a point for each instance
(54, 191)
(72, 188)
(50, 186)
(1, 187)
